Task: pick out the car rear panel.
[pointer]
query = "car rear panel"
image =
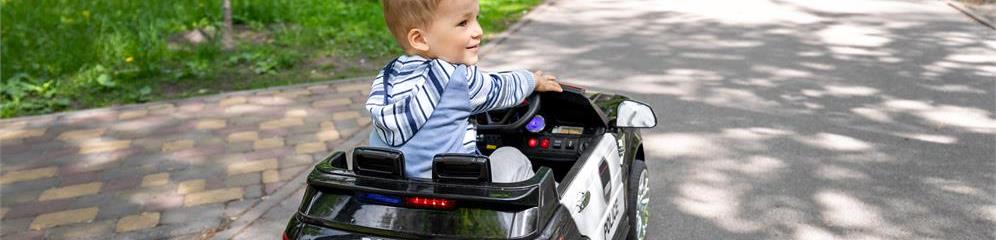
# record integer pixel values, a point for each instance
(338, 201)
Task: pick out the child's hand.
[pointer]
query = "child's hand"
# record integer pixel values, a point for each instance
(546, 82)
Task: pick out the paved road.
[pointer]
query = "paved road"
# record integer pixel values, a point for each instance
(179, 169)
(792, 119)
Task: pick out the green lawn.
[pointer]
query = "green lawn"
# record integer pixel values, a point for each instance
(58, 55)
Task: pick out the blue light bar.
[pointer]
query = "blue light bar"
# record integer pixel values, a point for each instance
(381, 199)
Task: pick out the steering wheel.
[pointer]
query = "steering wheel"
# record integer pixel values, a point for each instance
(533, 101)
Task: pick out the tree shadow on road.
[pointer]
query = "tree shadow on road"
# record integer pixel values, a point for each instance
(793, 123)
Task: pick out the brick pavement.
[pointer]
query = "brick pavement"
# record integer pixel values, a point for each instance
(174, 169)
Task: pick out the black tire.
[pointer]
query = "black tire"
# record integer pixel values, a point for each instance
(637, 170)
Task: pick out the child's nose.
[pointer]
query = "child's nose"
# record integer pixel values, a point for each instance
(477, 31)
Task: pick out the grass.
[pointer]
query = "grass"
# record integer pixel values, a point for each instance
(58, 55)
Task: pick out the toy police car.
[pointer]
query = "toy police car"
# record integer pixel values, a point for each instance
(591, 180)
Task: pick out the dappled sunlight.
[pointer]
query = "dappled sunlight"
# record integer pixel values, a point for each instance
(971, 119)
(953, 186)
(840, 173)
(835, 142)
(843, 210)
(942, 139)
(873, 114)
(682, 145)
(744, 12)
(853, 35)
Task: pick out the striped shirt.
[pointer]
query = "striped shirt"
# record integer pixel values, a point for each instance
(402, 106)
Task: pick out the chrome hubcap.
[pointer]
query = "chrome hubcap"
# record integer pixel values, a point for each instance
(642, 206)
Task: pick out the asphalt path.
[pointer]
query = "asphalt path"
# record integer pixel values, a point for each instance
(791, 119)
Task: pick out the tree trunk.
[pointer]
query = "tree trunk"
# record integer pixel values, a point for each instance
(227, 42)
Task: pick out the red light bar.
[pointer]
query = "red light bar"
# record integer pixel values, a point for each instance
(545, 143)
(435, 203)
(532, 142)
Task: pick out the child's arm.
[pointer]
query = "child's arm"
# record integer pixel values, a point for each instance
(489, 91)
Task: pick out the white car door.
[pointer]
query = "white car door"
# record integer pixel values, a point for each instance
(596, 195)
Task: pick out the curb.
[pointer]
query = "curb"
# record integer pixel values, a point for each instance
(185, 100)
(253, 214)
(968, 11)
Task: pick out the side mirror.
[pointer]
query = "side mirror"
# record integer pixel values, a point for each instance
(635, 115)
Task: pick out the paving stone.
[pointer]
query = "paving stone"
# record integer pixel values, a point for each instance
(252, 166)
(329, 125)
(271, 176)
(360, 87)
(331, 103)
(327, 135)
(25, 235)
(268, 154)
(96, 230)
(232, 101)
(209, 124)
(243, 180)
(78, 135)
(291, 172)
(281, 123)
(71, 191)
(191, 186)
(345, 115)
(213, 196)
(254, 191)
(345, 127)
(190, 214)
(240, 147)
(14, 225)
(178, 145)
(274, 133)
(8, 135)
(117, 209)
(103, 146)
(26, 175)
(268, 143)
(301, 138)
(216, 181)
(94, 200)
(137, 222)
(64, 217)
(78, 178)
(123, 183)
(3, 211)
(157, 179)
(296, 160)
(15, 198)
(133, 114)
(159, 232)
(296, 113)
(307, 128)
(164, 201)
(309, 148)
(270, 100)
(243, 136)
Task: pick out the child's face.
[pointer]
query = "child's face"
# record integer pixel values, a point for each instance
(455, 35)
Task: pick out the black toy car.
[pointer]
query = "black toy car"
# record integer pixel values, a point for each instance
(591, 180)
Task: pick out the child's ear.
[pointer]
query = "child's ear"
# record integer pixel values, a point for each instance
(417, 39)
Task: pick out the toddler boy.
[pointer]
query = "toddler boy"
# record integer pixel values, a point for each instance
(421, 102)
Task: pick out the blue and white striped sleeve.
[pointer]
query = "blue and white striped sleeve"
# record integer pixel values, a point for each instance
(490, 91)
(399, 118)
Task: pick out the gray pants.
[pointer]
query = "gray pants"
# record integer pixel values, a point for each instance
(508, 164)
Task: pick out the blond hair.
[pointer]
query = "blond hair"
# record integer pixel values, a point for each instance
(404, 15)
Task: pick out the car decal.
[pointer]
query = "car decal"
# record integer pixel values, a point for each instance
(583, 199)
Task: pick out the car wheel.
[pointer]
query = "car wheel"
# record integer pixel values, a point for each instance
(638, 197)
